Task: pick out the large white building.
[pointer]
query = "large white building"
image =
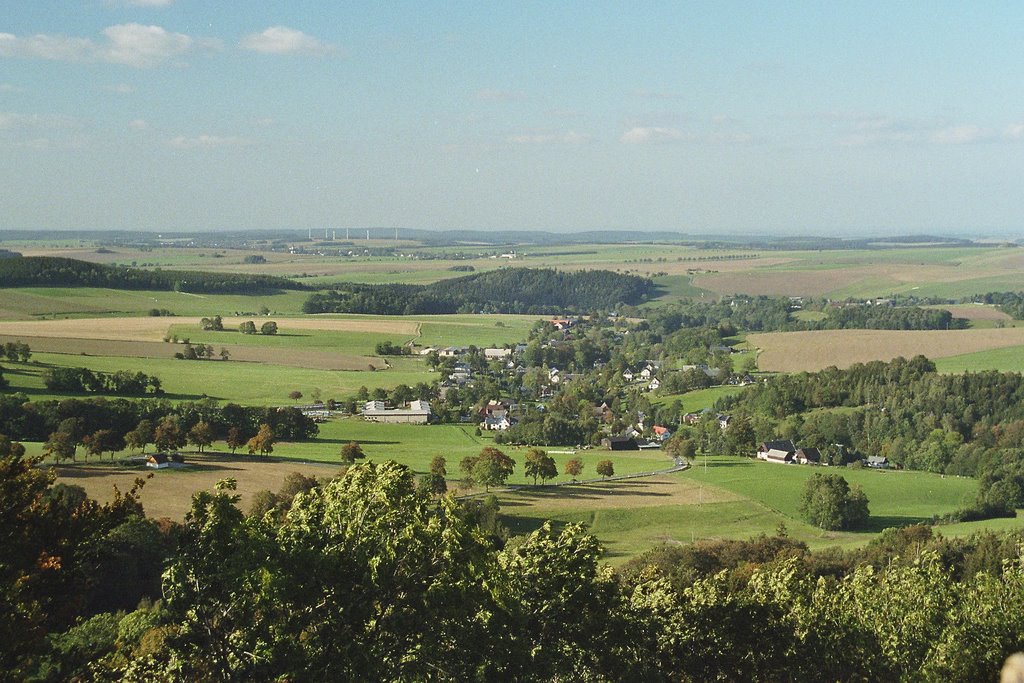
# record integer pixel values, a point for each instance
(417, 412)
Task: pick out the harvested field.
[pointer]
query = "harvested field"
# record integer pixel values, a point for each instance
(976, 312)
(810, 351)
(168, 493)
(296, 358)
(153, 329)
(790, 282)
(635, 493)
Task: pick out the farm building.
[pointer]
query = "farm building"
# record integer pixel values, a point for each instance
(417, 412)
(878, 462)
(808, 456)
(777, 451)
(158, 461)
(621, 443)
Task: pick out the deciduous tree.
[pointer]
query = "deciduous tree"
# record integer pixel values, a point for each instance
(201, 435)
(539, 464)
(829, 502)
(263, 442)
(573, 468)
(351, 452)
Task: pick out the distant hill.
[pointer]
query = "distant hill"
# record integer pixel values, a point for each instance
(280, 239)
(508, 290)
(51, 271)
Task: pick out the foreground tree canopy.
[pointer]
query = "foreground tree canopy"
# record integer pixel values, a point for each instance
(369, 577)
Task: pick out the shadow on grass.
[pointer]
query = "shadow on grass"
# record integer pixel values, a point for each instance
(878, 523)
(361, 442)
(584, 492)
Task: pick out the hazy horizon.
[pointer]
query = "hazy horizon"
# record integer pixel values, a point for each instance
(793, 119)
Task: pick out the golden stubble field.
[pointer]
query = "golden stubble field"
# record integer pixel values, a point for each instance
(168, 493)
(151, 329)
(815, 350)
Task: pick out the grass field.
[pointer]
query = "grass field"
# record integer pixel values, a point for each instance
(1008, 359)
(26, 303)
(169, 491)
(952, 272)
(696, 401)
(738, 498)
(237, 381)
(814, 350)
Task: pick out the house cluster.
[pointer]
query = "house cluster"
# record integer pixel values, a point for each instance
(646, 374)
(786, 452)
(694, 418)
(415, 412)
(633, 439)
(496, 416)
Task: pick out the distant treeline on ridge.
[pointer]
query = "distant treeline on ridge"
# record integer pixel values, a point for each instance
(51, 271)
(509, 290)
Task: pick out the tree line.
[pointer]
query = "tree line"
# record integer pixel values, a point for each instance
(507, 290)
(26, 420)
(53, 271)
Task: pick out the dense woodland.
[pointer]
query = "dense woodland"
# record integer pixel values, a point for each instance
(507, 290)
(52, 271)
(970, 424)
(26, 420)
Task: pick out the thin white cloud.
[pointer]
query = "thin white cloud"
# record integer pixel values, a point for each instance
(645, 135)
(493, 95)
(281, 40)
(143, 46)
(138, 124)
(134, 45)
(1015, 131)
(7, 87)
(120, 88)
(960, 135)
(567, 138)
(17, 121)
(207, 142)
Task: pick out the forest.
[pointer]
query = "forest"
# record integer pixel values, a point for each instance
(53, 271)
(507, 290)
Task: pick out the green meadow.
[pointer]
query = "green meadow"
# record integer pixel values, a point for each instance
(737, 498)
(239, 382)
(1008, 359)
(417, 445)
(696, 401)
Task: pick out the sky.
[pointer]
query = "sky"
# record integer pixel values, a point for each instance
(817, 118)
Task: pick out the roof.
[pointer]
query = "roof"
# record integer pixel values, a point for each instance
(781, 445)
(417, 407)
(810, 454)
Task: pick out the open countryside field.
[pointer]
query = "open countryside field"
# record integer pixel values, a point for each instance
(736, 498)
(814, 350)
(683, 271)
(945, 271)
(1008, 359)
(236, 381)
(28, 303)
(168, 493)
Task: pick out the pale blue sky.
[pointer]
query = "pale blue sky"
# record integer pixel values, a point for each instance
(739, 117)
